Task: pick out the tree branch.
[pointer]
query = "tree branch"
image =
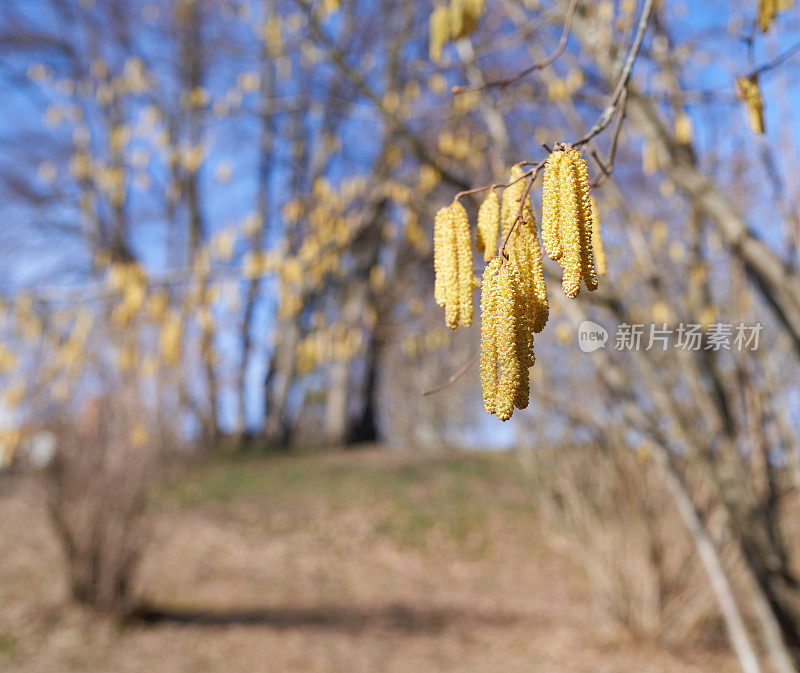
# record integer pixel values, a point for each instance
(605, 118)
(513, 79)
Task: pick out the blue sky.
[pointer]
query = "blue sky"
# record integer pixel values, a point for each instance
(35, 255)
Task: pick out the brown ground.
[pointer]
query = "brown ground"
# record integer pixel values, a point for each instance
(353, 562)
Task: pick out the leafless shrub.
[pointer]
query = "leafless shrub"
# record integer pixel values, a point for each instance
(617, 518)
(96, 488)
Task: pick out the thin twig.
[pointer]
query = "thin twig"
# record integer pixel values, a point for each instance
(562, 44)
(623, 106)
(466, 192)
(457, 375)
(605, 118)
(603, 168)
(607, 166)
(522, 200)
(775, 62)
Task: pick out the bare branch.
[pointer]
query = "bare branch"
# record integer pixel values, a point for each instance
(777, 61)
(513, 79)
(622, 82)
(457, 375)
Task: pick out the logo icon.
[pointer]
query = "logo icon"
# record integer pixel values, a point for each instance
(591, 336)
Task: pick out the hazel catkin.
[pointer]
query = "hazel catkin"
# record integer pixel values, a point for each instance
(568, 212)
(452, 262)
(464, 260)
(506, 337)
(750, 92)
(532, 260)
(517, 187)
(768, 10)
(588, 273)
(488, 356)
(488, 226)
(597, 241)
(441, 224)
(523, 293)
(569, 229)
(450, 274)
(506, 342)
(551, 206)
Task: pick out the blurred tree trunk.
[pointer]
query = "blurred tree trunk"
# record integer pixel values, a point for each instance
(190, 20)
(337, 397)
(256, 243)
(342, 425)
(365, 426)
(280, 374)
(281, 367)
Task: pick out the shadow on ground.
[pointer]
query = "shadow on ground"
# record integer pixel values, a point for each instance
(395, 616)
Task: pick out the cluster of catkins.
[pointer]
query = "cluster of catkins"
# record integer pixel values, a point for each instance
(514, 303)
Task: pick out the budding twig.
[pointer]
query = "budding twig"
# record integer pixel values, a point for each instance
(456, 375)
(532, 174)
(607, 115)
(505, 81)
(777, 61)
(608, 166)
(496, 185)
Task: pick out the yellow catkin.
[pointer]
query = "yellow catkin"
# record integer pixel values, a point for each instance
(511, 196)
(488, 358)
(551, 210)
(524, 351)
(445, 262)
(464, 256)
(588, 272)
(768, 10)
(438, 32)
(569, 229)
(750, 92)
(574, 231)
(450, 274)
(506, 342)
(597, 241)
(524, 300)
(441, 225)
(540, 307)
(488, 226)
(766, 13)
(524, 311)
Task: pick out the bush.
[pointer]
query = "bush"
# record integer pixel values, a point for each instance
(616, 516)
(96, 487)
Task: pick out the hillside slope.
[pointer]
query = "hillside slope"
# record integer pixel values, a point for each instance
(371, 561)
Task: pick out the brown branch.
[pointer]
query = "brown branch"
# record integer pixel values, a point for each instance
(467, 192)
(603, 168)
(457, 375)
(608, 165)
(393, 120)
(505, 81)
(775, 62)
(605, 118)
(533, 173)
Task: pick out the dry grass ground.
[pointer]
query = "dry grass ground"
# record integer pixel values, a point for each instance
(370, 561)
